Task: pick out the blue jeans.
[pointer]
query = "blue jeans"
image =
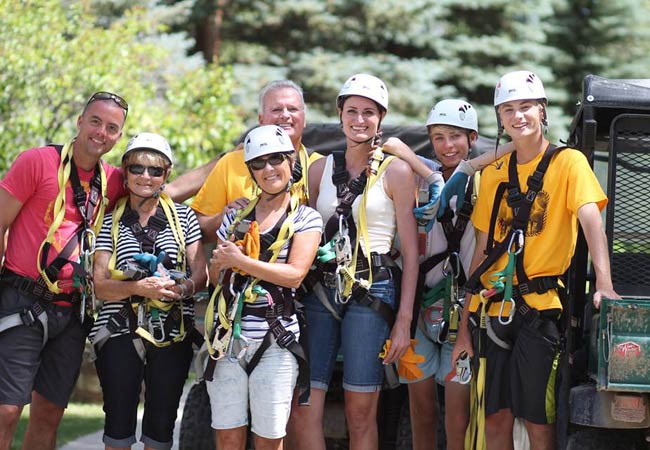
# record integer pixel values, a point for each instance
(360, 337)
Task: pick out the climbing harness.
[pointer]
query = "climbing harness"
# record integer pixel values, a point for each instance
(236, 294)
(46, 288)
(441, 304)
(501, 282)
(338, 261)
(144, 316)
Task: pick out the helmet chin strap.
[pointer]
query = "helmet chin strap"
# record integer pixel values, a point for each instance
(287, 188)
(144, 198)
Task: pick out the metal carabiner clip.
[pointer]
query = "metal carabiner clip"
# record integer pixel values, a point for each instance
(519, 244)
(152, 330)
(511, 314)
(88, 240)
(455, 269)
(340, 286)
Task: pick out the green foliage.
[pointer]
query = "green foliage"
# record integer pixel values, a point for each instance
(79, 420)
(55, 55)
(426, 50)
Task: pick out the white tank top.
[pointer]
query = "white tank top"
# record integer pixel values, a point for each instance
(380, 210)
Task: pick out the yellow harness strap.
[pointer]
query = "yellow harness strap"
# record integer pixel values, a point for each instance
(475, 435)
(171, 215)
(349, 271)
(225, 319)
(63, 176)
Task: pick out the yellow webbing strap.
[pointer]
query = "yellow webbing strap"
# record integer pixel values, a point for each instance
(475, 435)
(174, 224)
(285, 234)
(63, 176)
(217, 296)
(169, 208)
(304, 164)
(363, 227)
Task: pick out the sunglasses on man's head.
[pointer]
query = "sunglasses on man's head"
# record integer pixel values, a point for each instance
(275, 159)
(102, 95)
(153, 171)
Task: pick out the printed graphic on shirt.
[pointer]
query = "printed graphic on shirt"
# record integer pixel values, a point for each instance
(536, 223)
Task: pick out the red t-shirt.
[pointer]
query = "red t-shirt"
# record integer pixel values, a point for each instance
(32, 179)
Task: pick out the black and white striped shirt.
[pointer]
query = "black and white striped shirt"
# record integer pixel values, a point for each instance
(127, 246)
(252, 327)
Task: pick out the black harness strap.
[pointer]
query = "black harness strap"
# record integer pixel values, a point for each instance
(87, 211)
(146, 236)
(453, 234)
(521, 205)
(346, 191)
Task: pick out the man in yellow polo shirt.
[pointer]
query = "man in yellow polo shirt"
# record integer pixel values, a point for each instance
(229, 184)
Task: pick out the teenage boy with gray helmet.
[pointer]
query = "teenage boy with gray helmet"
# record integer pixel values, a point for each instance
(452, 126)
(535, 227)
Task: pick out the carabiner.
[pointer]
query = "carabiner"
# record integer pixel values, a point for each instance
(519, 245)
(511, 314)
(88, 235)
(343, 228)
(152, 330)
(455, 269)
(340, 286)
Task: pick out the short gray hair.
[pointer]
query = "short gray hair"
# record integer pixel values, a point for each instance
(276, 85)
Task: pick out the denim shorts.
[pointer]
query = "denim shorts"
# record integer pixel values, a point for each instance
(359, 337)
(268, 390)
(437, 359)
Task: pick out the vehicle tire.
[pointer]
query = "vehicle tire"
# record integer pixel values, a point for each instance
(601, 439)
(196, 430)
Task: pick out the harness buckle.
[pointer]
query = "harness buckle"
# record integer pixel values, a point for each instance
(283, 337)
(27, 317)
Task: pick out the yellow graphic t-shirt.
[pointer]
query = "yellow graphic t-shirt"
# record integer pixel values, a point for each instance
(550, 237)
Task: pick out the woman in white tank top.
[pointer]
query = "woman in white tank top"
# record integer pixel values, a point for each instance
(355, 329)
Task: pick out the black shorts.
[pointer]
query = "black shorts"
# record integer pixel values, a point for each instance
(121, 373)
(522, 379)
(27, 366)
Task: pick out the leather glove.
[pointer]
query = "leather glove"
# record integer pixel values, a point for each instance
(428, 212)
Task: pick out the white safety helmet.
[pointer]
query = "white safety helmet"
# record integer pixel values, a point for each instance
(264, 140)
(367, 86)
(453, 112)
(519, 85)
(150, 141)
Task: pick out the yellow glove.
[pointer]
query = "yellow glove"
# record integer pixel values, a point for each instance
(407, 367)
(250, 244)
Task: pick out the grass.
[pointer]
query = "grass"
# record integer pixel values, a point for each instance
(79, 419)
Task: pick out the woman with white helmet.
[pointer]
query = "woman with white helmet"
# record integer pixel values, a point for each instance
(149, 262)
(366, 202)
(526, 216)
(264, 251)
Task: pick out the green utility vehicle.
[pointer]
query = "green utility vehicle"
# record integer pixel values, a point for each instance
(606, 375)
